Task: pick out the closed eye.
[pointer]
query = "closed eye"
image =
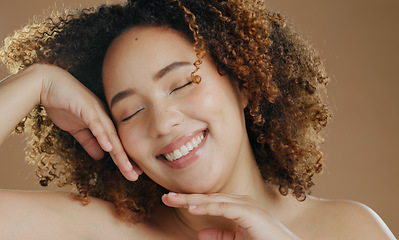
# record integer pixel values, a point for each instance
(185, 85)
(129, 117)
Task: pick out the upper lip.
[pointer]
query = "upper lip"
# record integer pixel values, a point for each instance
(177, 143)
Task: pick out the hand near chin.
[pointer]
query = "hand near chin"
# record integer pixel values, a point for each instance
(75, 109)
(253, 222)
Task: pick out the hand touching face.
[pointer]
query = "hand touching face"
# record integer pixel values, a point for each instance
(187, 137)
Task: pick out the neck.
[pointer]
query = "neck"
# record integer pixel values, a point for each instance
(245, 181)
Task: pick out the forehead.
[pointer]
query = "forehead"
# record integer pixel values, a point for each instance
(141, 52)
(147, 42)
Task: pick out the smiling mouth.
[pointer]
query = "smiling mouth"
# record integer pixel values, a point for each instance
(185, 149)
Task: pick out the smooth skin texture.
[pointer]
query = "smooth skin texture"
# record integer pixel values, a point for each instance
(221, 194)
(62, 95)
(168, 109)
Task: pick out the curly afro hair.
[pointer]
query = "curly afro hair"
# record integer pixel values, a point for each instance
(255, 47)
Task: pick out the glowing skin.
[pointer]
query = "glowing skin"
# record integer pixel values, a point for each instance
(186, 137)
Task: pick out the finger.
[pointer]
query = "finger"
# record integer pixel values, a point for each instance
(136, 168)
(243, 215)
(218, 234)
(185, 200)
(98, 130)
(104, 131)
(89, 143)
(125, 167)
(253, 223)
(130, 170)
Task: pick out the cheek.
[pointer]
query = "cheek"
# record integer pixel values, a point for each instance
(209, 97)
(202, 103)
(133, 142)
(217, 100)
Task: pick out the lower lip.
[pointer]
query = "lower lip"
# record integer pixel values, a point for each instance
(189, 158)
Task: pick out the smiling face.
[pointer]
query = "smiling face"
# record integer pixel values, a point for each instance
(187, 137)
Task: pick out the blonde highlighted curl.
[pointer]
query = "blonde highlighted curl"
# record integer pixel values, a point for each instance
(284, 77)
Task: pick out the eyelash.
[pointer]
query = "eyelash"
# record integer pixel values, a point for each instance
(185, 85)
(129, 117)
(178, 88)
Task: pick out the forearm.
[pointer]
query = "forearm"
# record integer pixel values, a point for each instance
(19, 93)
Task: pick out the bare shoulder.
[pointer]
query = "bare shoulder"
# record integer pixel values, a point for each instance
(343, 219)
(43, 215)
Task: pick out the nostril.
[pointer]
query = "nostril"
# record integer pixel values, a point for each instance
(164, 121)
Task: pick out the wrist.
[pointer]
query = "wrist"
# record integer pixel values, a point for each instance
(39, 81)
(19, 94)
(31, 80)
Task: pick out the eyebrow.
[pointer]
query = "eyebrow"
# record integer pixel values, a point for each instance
(169, 68)
(125, 93)
(121, 95)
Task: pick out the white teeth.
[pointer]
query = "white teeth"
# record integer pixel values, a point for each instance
(185, 149)
(189, 146)
(194, 142)
(177, 153)
(168, 157)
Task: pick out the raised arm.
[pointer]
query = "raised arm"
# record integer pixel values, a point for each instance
(18, 95)
(69, 104)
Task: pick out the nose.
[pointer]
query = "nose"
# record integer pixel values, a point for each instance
(164, 119)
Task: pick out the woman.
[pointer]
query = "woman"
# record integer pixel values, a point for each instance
(216, 104)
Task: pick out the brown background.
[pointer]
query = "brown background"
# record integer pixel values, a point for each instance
(359, 40)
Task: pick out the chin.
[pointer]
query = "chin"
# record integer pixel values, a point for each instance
(202, 186)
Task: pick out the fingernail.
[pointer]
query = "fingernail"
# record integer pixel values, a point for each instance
(133, 175)
(129, 164)
(109, 146)
(192, 207)
(172, 193)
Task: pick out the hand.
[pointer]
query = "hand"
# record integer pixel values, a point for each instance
(74, 108)
(253, 222)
